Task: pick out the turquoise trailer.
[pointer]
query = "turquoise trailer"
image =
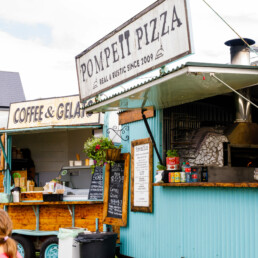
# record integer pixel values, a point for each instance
(217, 218)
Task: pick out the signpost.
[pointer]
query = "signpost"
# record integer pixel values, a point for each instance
(156, 36)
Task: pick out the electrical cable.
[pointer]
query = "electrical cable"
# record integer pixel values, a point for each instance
(213, 75)
(231, 27)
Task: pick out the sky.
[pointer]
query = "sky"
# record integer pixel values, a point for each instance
(40, 38)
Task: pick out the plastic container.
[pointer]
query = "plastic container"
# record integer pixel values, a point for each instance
(67, 246)
(187, 167)
(194, 175)
(188, 173)
(100, 245)
(5, 198)
(52, 197)
(16, 194)
(183, 167)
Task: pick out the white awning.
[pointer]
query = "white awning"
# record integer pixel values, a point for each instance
(191, 82)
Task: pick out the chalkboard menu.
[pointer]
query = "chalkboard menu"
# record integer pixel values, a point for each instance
(96, 187)
(115, 196)
(116, 192)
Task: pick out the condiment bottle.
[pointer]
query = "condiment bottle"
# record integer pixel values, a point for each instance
(188, 172)
(16, 193)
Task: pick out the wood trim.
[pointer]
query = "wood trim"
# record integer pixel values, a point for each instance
(210, 184)
(116, 221)
(51, 203)
(139, 208)
(2, 156)
(134, 115)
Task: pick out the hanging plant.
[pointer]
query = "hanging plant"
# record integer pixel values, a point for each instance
(102, 150)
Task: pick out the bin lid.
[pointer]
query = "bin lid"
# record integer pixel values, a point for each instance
(90, 237)
(69, 232)
(16, 189)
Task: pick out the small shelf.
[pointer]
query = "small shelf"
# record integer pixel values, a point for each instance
(76, 167)
(211, 184)
(89, 202)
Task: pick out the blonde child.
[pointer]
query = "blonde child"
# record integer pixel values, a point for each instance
(8, 247)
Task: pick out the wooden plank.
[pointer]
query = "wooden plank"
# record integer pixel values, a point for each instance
(32, 196)
(114, 219)
(22, 217)
(1, 182)
(51, 218)
(52, 203)
(134, 144)
(210, 184)
(134, 115)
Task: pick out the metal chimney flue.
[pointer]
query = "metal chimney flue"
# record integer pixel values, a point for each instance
(239, 51)
(240, 55)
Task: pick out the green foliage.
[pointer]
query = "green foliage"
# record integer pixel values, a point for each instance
(161, 167)
(172, 153)
(96, 149)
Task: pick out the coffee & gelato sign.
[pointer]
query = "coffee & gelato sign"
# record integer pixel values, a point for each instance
(50, 112)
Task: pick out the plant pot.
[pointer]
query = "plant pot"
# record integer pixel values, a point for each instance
(113, 154)
(159, 176)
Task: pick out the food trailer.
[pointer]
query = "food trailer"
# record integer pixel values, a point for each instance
(202, 110)
(44, 148)
(212, 218)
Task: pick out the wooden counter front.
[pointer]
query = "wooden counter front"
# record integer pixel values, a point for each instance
(50, 216)
(210, 184)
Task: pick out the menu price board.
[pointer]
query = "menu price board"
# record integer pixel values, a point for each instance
(115, 195)
(96, 186)
(116, 192)
(141, 180)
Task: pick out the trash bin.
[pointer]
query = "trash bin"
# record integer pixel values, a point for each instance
(97, 245)
(67, 247)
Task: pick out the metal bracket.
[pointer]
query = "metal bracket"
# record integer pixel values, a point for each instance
(69, 208)
(72, 213)
(151, 135)
(36, 212)
(119, 133)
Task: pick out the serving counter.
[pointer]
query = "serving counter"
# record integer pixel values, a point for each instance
(50, 216)
(211, 184)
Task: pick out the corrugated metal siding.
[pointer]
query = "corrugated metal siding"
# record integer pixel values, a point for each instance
(191, 222)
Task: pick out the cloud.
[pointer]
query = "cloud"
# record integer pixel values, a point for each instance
(47, 67)
(44, 72)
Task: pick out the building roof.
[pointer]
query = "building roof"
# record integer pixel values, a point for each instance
(11, 89)
(190, 82)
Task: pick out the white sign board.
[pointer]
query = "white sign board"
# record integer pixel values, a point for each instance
(48, 112)
(141, 175)
(154, 37)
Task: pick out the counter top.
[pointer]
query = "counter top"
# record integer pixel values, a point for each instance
(211, 184)
(51, 203)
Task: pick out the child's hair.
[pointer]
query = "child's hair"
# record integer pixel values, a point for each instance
(8, 244)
